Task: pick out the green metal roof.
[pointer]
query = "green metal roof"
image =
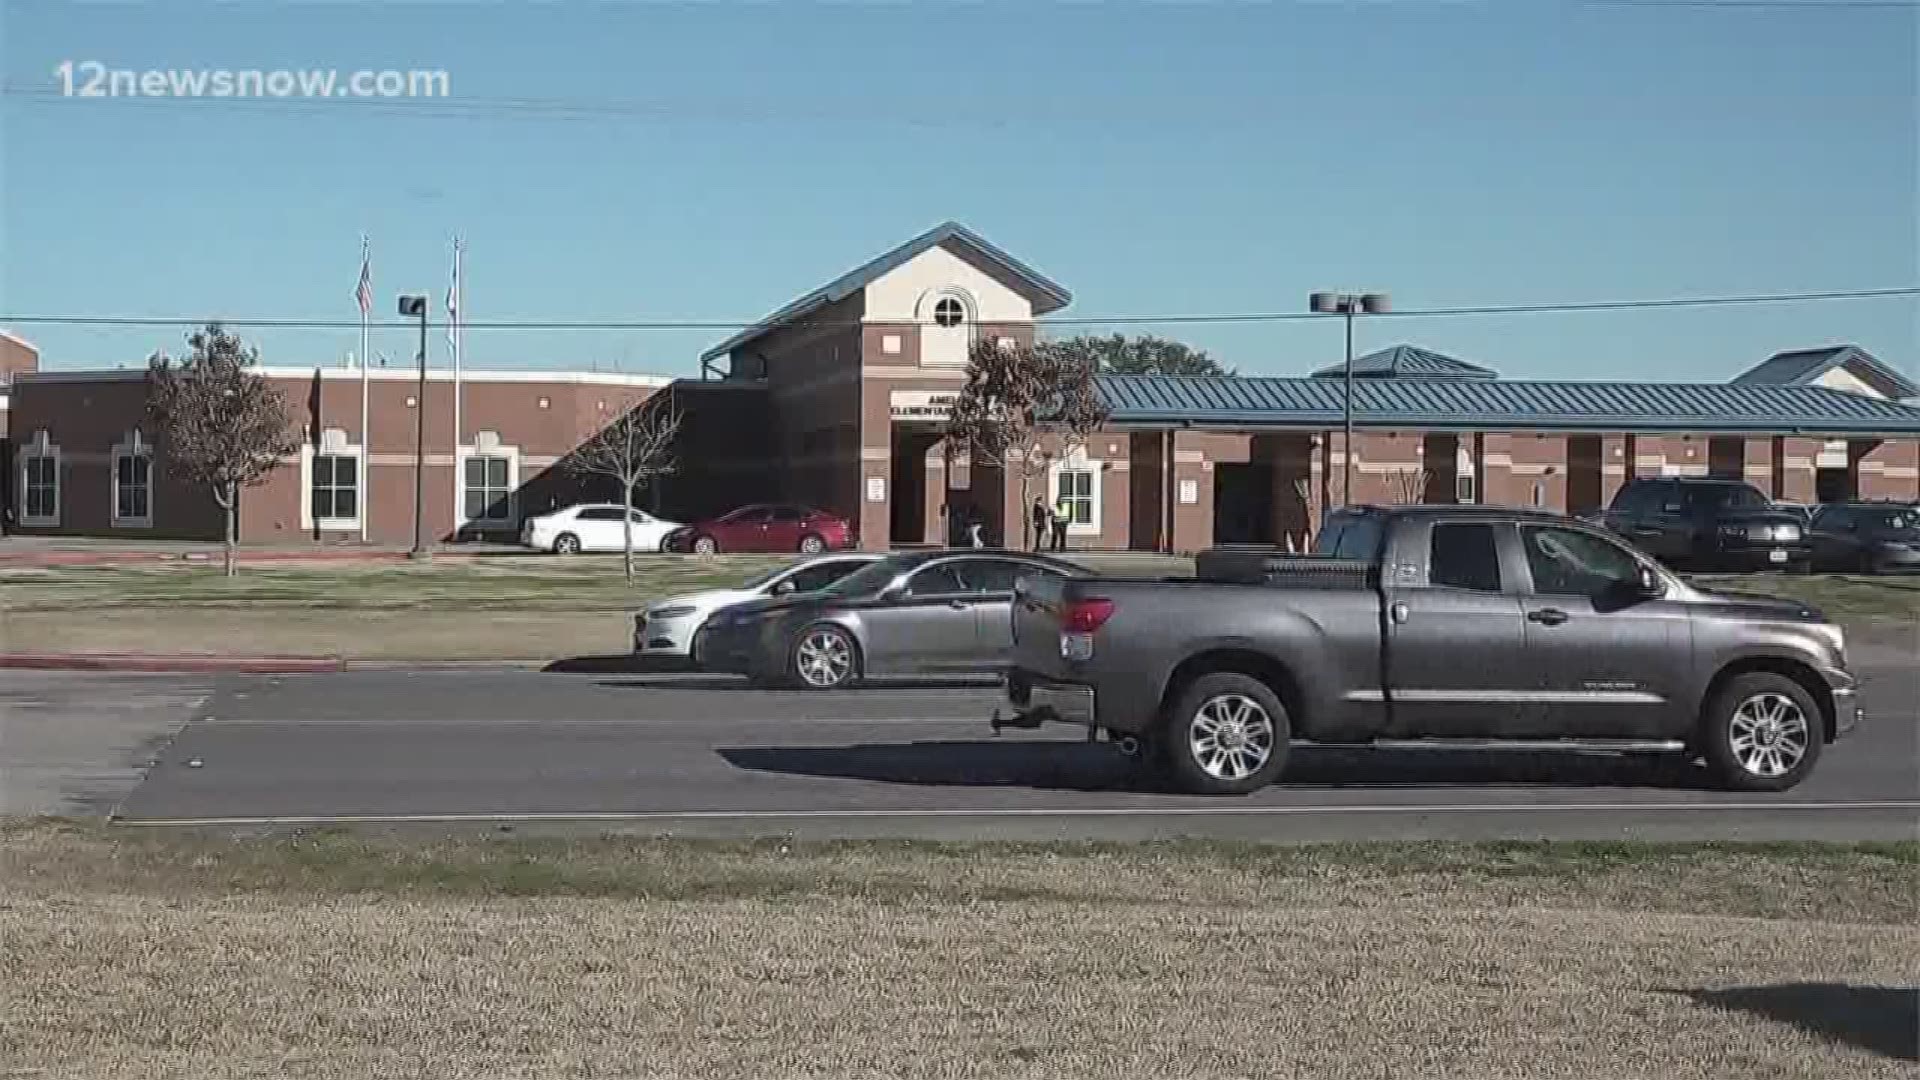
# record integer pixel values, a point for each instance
(1491, 405)
(1806, 365)
(1408, 362)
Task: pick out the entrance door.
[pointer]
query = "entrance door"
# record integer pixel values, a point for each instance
(907, 485)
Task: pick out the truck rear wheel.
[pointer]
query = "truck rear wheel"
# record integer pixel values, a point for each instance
(1227, 734)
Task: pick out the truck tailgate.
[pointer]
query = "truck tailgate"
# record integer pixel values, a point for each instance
(1037, 605)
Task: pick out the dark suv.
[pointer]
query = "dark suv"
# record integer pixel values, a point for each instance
(1703, 524)
(1874, 537)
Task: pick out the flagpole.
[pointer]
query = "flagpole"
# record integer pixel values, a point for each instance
(457, 307)
(366, 432)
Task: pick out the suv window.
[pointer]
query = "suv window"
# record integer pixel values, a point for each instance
(1638, 497)
(1464, 555)
(1567, 562)
(1719, 496)
(1832, 519)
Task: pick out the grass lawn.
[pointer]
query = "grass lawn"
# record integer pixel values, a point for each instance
(519, 608)
(333, 956)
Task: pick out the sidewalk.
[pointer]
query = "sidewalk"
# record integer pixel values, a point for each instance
(96, 551)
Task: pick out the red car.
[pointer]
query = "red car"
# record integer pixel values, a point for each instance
(764, 527)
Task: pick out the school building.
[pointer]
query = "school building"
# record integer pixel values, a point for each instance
(837, 400)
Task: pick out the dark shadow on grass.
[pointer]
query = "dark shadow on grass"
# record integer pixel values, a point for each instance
(1083, 767)
(1882, 1019)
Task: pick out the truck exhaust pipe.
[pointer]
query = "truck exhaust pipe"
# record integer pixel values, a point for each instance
(1127, 745)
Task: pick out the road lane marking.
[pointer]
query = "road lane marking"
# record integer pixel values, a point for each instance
(1020, 812)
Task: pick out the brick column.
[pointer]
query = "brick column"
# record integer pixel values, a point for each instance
(1758, 465)
(1498, 485)
(1793, 468)
(1891, 470)
(1192, 522)
(1616, 465)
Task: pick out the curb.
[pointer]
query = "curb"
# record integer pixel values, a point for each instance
(148, 662)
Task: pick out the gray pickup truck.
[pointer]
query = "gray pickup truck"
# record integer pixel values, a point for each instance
(1435, 622)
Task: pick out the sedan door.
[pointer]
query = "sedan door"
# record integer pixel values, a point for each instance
(744, 531)
(991, 582)
(1610, 664)
(599, 528)
(926, 627)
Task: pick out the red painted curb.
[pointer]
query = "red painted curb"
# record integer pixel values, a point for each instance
(262, 665)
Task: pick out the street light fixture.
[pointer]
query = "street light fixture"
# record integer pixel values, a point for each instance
(1348, 305)
(416, 307)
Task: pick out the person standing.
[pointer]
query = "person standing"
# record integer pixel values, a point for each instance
(1042, 519)
(1062, 515)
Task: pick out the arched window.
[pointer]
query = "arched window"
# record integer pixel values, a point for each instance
(949, 312)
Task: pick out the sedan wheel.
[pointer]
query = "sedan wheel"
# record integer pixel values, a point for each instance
(812, 545)
(825, 659)
(566, 544)
(1764, 733)
(1227, 735)
(705, 545)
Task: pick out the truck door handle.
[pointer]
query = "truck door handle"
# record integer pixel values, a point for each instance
(1399, 612)
(1550, 616)
(956, 604)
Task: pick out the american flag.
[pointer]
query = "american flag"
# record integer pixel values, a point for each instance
(364, 291)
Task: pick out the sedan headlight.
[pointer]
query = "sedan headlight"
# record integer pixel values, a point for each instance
(676, 611)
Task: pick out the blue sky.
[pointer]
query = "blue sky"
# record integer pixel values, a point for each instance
(1153, 158)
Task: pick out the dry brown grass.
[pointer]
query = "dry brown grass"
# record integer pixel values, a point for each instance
(324, 957)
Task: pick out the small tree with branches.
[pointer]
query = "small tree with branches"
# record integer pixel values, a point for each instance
(223, 424)
(1410, 486)
(632, 450)
(1025, 406)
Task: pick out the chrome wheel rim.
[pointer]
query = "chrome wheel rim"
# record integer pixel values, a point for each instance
(704, 546)
(812, 545)
(1769, 734)
(1230, 736)
(824, 658)
(568, 545)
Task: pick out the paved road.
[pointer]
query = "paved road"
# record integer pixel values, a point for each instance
(698, 755)
(75, 744)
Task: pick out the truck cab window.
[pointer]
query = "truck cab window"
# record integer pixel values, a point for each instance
(1350, 536)
(1464, 555)
(1567, 562)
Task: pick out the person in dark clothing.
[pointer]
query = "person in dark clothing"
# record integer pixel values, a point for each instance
(1041, 518)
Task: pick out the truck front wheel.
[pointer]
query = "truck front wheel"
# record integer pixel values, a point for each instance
(1227, 734)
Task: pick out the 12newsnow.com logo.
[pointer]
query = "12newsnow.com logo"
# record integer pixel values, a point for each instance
(95, 79)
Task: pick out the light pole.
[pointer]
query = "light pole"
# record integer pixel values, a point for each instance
(1348, 305)
(416, 307)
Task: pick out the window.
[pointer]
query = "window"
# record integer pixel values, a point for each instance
(488, 489)
(997, 575)
(1832, 519)
(819, 577)
(1715, 496)
(600, 513)
(132, 488)
(949, 312)
(1076, 488)
(1464, 555)
(789, 514)
(1463, 488)
(1567, 562)
(41, 489)
(336, 488)
(1350, 536)
(940, 580)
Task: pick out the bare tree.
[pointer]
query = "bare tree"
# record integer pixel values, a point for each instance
(223, 424)
(1025, 406)
(635, 448)
(1410, 485)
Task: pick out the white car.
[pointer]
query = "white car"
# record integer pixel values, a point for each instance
(667, 628)
(593, 527)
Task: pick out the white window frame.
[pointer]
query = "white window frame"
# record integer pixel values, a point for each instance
(487, 444)
(1080, 464)
(133, 446)
(38, 449)
(935, 339)
(333, 443)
